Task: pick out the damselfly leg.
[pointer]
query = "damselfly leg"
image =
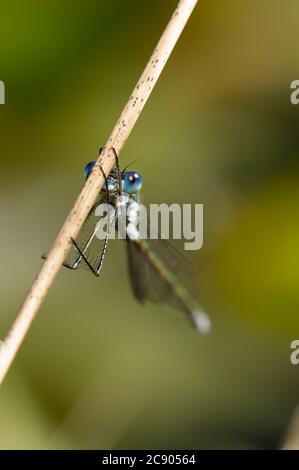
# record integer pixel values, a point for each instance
(86, 249)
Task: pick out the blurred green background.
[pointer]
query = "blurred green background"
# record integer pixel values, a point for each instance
(97, 369)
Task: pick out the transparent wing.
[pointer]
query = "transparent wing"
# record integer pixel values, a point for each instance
(159, 273)
(149, 263)
(88, 243)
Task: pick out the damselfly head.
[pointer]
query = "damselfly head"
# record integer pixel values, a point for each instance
(132, 182)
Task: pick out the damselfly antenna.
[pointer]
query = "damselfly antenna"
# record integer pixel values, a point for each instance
(126, 167)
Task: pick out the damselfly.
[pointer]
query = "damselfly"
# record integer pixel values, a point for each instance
(158, 272)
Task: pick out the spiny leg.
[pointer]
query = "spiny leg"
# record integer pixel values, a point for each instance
(106, 184)
(73, 265)
(119, 173)
(81, 252)
(101, 261)
(82, 256)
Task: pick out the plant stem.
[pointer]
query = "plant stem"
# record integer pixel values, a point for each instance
(93, 184)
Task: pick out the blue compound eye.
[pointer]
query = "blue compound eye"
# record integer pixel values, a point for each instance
(132, 182)
(88, 168)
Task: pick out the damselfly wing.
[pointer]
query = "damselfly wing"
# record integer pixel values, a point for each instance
(161, 274)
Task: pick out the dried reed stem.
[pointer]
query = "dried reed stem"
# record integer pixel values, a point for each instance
(94, 184)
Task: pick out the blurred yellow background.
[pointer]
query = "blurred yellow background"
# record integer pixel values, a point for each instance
(97, 369)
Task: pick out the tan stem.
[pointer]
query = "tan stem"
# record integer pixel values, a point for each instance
(93, 185)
